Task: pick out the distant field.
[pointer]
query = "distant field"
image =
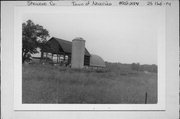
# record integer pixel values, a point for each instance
(53, 84)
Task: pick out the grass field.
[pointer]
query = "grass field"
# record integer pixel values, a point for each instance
(54, 84)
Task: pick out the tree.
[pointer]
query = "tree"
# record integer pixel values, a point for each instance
(33, 36)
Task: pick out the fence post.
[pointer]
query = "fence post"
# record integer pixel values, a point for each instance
(146, 98)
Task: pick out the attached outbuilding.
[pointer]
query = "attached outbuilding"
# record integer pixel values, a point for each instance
(96, 61)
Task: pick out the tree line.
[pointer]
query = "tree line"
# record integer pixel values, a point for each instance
(132, 67)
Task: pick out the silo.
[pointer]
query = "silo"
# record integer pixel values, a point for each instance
(78, 50)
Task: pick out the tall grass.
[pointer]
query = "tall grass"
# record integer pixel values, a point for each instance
(54, 84)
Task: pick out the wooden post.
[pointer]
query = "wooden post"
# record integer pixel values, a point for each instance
(64, 57)
(69, 60)
(46, 56)
(57, 58)
(42, 56)
(52, 59)
(146, 98)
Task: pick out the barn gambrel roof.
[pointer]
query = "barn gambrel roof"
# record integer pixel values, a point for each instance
(63, 45)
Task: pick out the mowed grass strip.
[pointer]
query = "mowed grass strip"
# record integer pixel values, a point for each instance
(48, 84)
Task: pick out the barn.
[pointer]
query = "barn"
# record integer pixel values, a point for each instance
(61, 50)
(74, 53)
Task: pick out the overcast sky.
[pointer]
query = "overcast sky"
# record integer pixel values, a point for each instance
(115, 34)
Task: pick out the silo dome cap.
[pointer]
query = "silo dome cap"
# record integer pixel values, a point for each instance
(78, 39)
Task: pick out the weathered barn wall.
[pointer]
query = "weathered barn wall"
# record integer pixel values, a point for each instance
(78, 51)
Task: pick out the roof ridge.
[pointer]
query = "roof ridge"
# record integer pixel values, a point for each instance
(65, 48)
(61, 39)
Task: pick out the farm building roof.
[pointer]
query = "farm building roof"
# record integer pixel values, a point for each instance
(96, 60)
(65, 46)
